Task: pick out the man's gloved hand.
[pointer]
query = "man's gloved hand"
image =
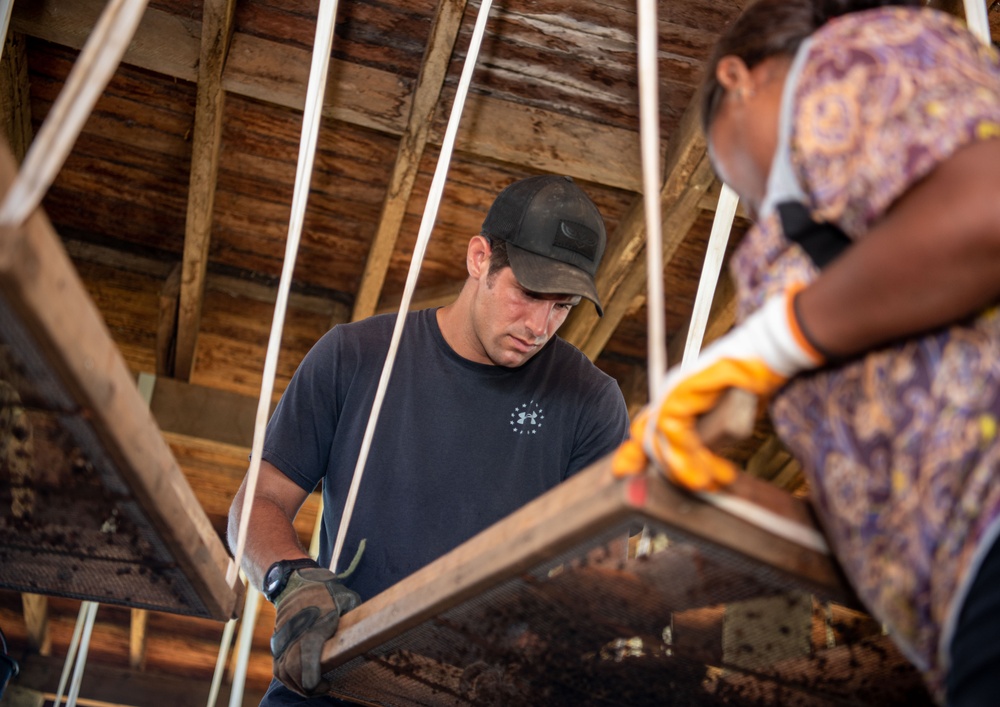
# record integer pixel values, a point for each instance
(759, 356)
(309, 611)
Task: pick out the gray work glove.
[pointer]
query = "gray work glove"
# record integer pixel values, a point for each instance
(309, 611)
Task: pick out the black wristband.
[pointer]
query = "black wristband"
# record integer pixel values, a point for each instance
(277, 575)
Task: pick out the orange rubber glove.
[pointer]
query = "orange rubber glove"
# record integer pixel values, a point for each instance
(759, 356)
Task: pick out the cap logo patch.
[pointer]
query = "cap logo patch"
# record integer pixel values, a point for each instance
(577, 238)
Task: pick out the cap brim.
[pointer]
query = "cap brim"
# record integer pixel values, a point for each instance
(554, 277)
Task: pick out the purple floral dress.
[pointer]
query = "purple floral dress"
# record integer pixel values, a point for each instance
(900, 447)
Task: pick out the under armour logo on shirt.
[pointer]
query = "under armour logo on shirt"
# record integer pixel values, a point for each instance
(527, 419)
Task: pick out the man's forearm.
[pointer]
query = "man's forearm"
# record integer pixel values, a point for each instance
(271, 536)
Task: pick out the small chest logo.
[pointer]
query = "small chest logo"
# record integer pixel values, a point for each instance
(527, 419)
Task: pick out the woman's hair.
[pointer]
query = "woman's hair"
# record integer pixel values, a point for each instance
(773, 28)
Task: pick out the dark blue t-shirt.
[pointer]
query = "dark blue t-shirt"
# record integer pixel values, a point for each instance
(459, 445)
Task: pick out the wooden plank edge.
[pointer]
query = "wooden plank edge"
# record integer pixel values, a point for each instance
(36, 272)
(533, 534)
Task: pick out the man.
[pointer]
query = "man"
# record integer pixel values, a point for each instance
(485, 411)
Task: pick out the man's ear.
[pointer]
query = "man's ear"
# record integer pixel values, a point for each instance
(733, 74)
(477, 259)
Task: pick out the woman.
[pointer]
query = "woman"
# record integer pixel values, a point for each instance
(864, 141)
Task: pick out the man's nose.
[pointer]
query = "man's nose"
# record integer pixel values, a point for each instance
(539, 318)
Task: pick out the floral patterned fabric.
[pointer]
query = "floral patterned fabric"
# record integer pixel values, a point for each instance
(900, 447)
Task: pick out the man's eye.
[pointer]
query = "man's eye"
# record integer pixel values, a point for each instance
(566, 305)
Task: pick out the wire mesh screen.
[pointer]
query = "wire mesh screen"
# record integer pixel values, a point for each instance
(676, 621)
(69, 522)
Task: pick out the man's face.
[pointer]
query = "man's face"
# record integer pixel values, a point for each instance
(511, 324)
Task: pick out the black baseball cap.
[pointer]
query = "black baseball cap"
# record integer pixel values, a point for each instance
(555, 235)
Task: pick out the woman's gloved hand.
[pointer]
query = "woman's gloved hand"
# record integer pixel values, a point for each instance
(759, 356)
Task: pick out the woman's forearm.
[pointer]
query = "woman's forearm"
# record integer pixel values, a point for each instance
(932, 260)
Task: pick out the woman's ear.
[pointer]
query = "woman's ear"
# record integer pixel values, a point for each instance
(733, 74)
(477, 259)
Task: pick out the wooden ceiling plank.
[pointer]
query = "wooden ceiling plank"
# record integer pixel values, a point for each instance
(228, 284)
(276, 73)
(622, 272)
(15, 98)
(217, 27)
(444, 33)
(550, 142)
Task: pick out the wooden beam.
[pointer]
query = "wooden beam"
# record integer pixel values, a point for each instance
(277, 73)
(424, 298)
(15, 95)
(216, 30)
(711, 200)
(36, 620)
(118, 686)
(622, 275)
(165, 43)
(447, 23)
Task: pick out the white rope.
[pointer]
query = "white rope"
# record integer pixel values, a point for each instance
(722, 226)
(312, 115)
(90, 74)
(81, 658)
(768, 520)
(243, 646)
(977, 19)
(649, 130)
(74, 643)
(220, 661)
(423, 236)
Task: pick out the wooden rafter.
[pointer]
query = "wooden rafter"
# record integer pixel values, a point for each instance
(14, 95)
(217, 25)
(623, 273)
(447, 23)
